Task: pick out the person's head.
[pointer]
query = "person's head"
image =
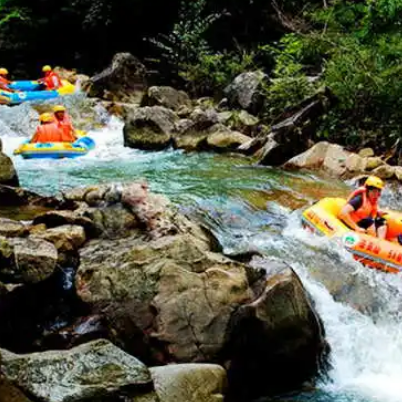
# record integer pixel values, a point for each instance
(3, 72)
(46, 118)
(59, 111)
(374, 186)
(46, 70)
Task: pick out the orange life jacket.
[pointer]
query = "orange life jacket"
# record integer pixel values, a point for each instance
(4, 82)
(367, 210)
(66, 128)
(52, 81)
(47, 133)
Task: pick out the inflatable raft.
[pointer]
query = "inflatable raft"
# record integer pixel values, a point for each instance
(55, 150)
(369, 250)
(31, 90)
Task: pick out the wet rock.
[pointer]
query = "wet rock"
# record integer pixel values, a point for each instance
(114, 221)
(192, 291)
(183, 111)
(203, 119)
(191, 142)
(291, 136)
(226, 141)
(149, 128)
(355, 163)
(53, 219)
(84, 330)
(280, 327)
(167, 97)
(124, 80)
(17, 196)
(246, 92)
(30, 314)
(189, 382)
(94, 370)
(8, 175)
(11, 228)
(384, 172)
(65, 238)
(10, 393)
(366, 153)
(398, 172)
(26, 260)
(373, 163)
(329, 157)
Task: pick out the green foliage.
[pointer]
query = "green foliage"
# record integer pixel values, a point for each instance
(289, 84)
(210, 73)
(186, 43)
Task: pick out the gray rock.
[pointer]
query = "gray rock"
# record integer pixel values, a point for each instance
(10, 228)
(96, 370)
(26, 260)
(122, 81)
(8, 175)
(167, 97)
(245, 92)
(149, 128)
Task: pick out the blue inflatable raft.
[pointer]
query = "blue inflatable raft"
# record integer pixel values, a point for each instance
(32, 90)
(55, 150)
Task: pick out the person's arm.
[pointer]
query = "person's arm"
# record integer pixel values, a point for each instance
(344, 215)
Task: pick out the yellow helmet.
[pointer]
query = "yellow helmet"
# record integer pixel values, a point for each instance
(3, 71)
(45, 69)
(59, 108)
(374, 181)
(46, 118)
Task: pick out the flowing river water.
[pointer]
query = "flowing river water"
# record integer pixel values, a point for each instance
(255, 208)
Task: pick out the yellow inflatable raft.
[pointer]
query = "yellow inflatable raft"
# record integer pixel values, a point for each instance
(369, 250)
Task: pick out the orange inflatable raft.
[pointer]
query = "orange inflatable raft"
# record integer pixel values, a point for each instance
(385, 255)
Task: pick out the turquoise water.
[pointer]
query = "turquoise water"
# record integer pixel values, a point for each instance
(258, 208)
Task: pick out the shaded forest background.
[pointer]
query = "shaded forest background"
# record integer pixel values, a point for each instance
(354, 48)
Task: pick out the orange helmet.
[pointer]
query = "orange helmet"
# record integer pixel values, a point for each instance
(3, 71)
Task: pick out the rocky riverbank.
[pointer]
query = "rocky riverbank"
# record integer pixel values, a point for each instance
(119, 263)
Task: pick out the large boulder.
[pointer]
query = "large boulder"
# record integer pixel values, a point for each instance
(330, 157)
(94, 371)
(122, 81)
(167, 97)
(149, 128)
(291, 136)
(277, 341)
(246, 92)
(173, 298)
(8, 175)
(189, 382)
(26, 260)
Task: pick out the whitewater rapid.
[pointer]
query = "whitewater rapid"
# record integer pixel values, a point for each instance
(366, 341)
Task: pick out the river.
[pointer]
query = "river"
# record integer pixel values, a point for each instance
(256, 208)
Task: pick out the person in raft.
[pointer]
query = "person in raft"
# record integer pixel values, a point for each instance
(51, 80)
(361, 212)
(64, 123)
(4, 82)
(47, 131)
